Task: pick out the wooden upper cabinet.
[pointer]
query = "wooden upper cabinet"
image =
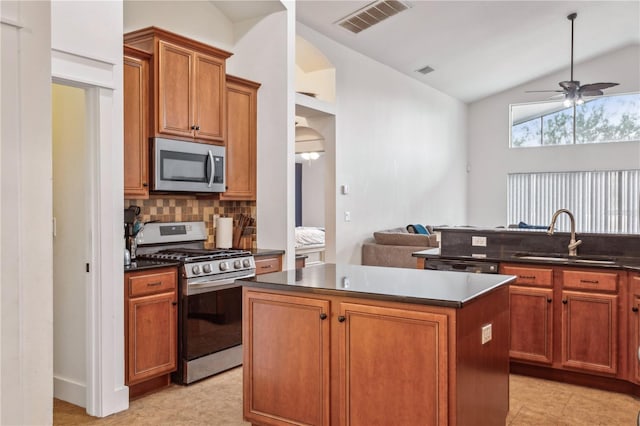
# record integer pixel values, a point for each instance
(241, 139)
(188, 79)
(136, 111)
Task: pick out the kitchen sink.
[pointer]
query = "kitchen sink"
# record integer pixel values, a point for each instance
(552, 257)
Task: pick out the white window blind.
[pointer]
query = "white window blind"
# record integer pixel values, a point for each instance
(601, 201)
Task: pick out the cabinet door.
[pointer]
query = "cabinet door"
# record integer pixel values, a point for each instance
(135, 84)
(382, 386)
(174, 91)
(241, 140)
(151, 336)
(590, 331)
(531, 315)
(209, 98)
(288, 383)
(634, 327)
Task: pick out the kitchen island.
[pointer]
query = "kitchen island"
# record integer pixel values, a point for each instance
(365, 345)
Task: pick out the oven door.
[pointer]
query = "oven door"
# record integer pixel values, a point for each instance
(211, 321)
(187, 166)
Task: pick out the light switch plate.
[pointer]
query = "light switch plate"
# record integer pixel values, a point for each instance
(486, 333)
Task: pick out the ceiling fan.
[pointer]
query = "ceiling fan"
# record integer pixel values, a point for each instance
(572, 91)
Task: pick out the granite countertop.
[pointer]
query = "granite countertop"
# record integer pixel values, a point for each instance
(142, 264)
(628, 263)
(438, 288)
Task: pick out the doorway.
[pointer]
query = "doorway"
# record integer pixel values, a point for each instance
(71, 241)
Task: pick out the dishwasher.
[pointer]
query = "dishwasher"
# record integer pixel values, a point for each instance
(461, 265)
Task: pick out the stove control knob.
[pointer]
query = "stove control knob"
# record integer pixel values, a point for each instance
(195, 269)
(223, 266)
(237, 264)
(207, 268)
(246, 263)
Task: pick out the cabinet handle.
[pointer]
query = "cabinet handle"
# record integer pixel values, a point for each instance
(323, 316)
(565, 301)
(634, 309)
(157, 283)
(341, 318)
(266, 266)
(549, 300)
(589, 281)
(527, 277)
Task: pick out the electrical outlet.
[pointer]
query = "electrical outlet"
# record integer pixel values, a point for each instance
(479, 241)
(486, 333)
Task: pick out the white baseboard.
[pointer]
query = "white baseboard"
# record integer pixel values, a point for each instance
(70, 391)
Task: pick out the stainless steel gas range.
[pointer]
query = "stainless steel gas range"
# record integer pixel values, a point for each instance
(210, 303)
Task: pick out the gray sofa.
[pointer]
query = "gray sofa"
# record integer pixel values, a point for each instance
(394, 247)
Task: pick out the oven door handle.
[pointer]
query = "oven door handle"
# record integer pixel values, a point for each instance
(210, 285)
(212, 168)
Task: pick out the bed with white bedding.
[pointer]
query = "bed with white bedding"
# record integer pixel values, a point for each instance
(310, 243)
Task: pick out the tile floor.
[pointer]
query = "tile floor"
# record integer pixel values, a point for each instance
(217, 401)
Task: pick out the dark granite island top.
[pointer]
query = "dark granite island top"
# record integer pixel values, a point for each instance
(375, 345)
(437, 288)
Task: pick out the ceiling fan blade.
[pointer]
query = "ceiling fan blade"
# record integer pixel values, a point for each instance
(542, 91)
(596, 86)
(557, 96)
(592, 93)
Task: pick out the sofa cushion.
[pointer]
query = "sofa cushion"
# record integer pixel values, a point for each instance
(400, 237)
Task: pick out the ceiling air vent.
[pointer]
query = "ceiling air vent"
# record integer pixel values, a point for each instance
(371, 14)
(425, 70)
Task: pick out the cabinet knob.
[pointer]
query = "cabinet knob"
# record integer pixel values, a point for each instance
(549, 300)
(341, 318)
(197, 127)
(174, 303)
(565, 301)
(323, 316)
(634, 309)
(145, 184)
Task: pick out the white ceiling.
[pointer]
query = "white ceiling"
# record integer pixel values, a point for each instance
(479, 48)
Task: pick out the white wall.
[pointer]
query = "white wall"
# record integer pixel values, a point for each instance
(313, 191)
(26, 308)
(490, 158)
(400, 146)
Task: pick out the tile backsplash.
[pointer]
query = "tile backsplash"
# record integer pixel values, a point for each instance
(191, 209)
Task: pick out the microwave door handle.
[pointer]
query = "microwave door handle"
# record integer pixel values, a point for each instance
(213, 169)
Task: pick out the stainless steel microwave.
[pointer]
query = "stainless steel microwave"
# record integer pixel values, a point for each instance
(187, 166)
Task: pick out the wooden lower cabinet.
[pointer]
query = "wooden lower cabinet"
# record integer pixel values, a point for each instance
(150, 329)
(590, 331)
(634, 326)
(381, 351)
(531, 324)
(568, 319)
(325, 360)
(268, 263)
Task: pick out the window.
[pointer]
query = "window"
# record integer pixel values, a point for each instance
(601, 201)
(614, 118)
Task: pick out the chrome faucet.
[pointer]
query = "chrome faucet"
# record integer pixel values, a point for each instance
(573, 244)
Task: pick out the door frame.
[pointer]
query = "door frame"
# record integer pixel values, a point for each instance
(106, 392)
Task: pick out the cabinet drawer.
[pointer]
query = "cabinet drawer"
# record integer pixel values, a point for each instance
(264, 265)
(150, 283)
(529, 276)
(601, 281)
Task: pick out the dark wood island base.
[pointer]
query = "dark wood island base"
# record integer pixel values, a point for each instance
(321, 355)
